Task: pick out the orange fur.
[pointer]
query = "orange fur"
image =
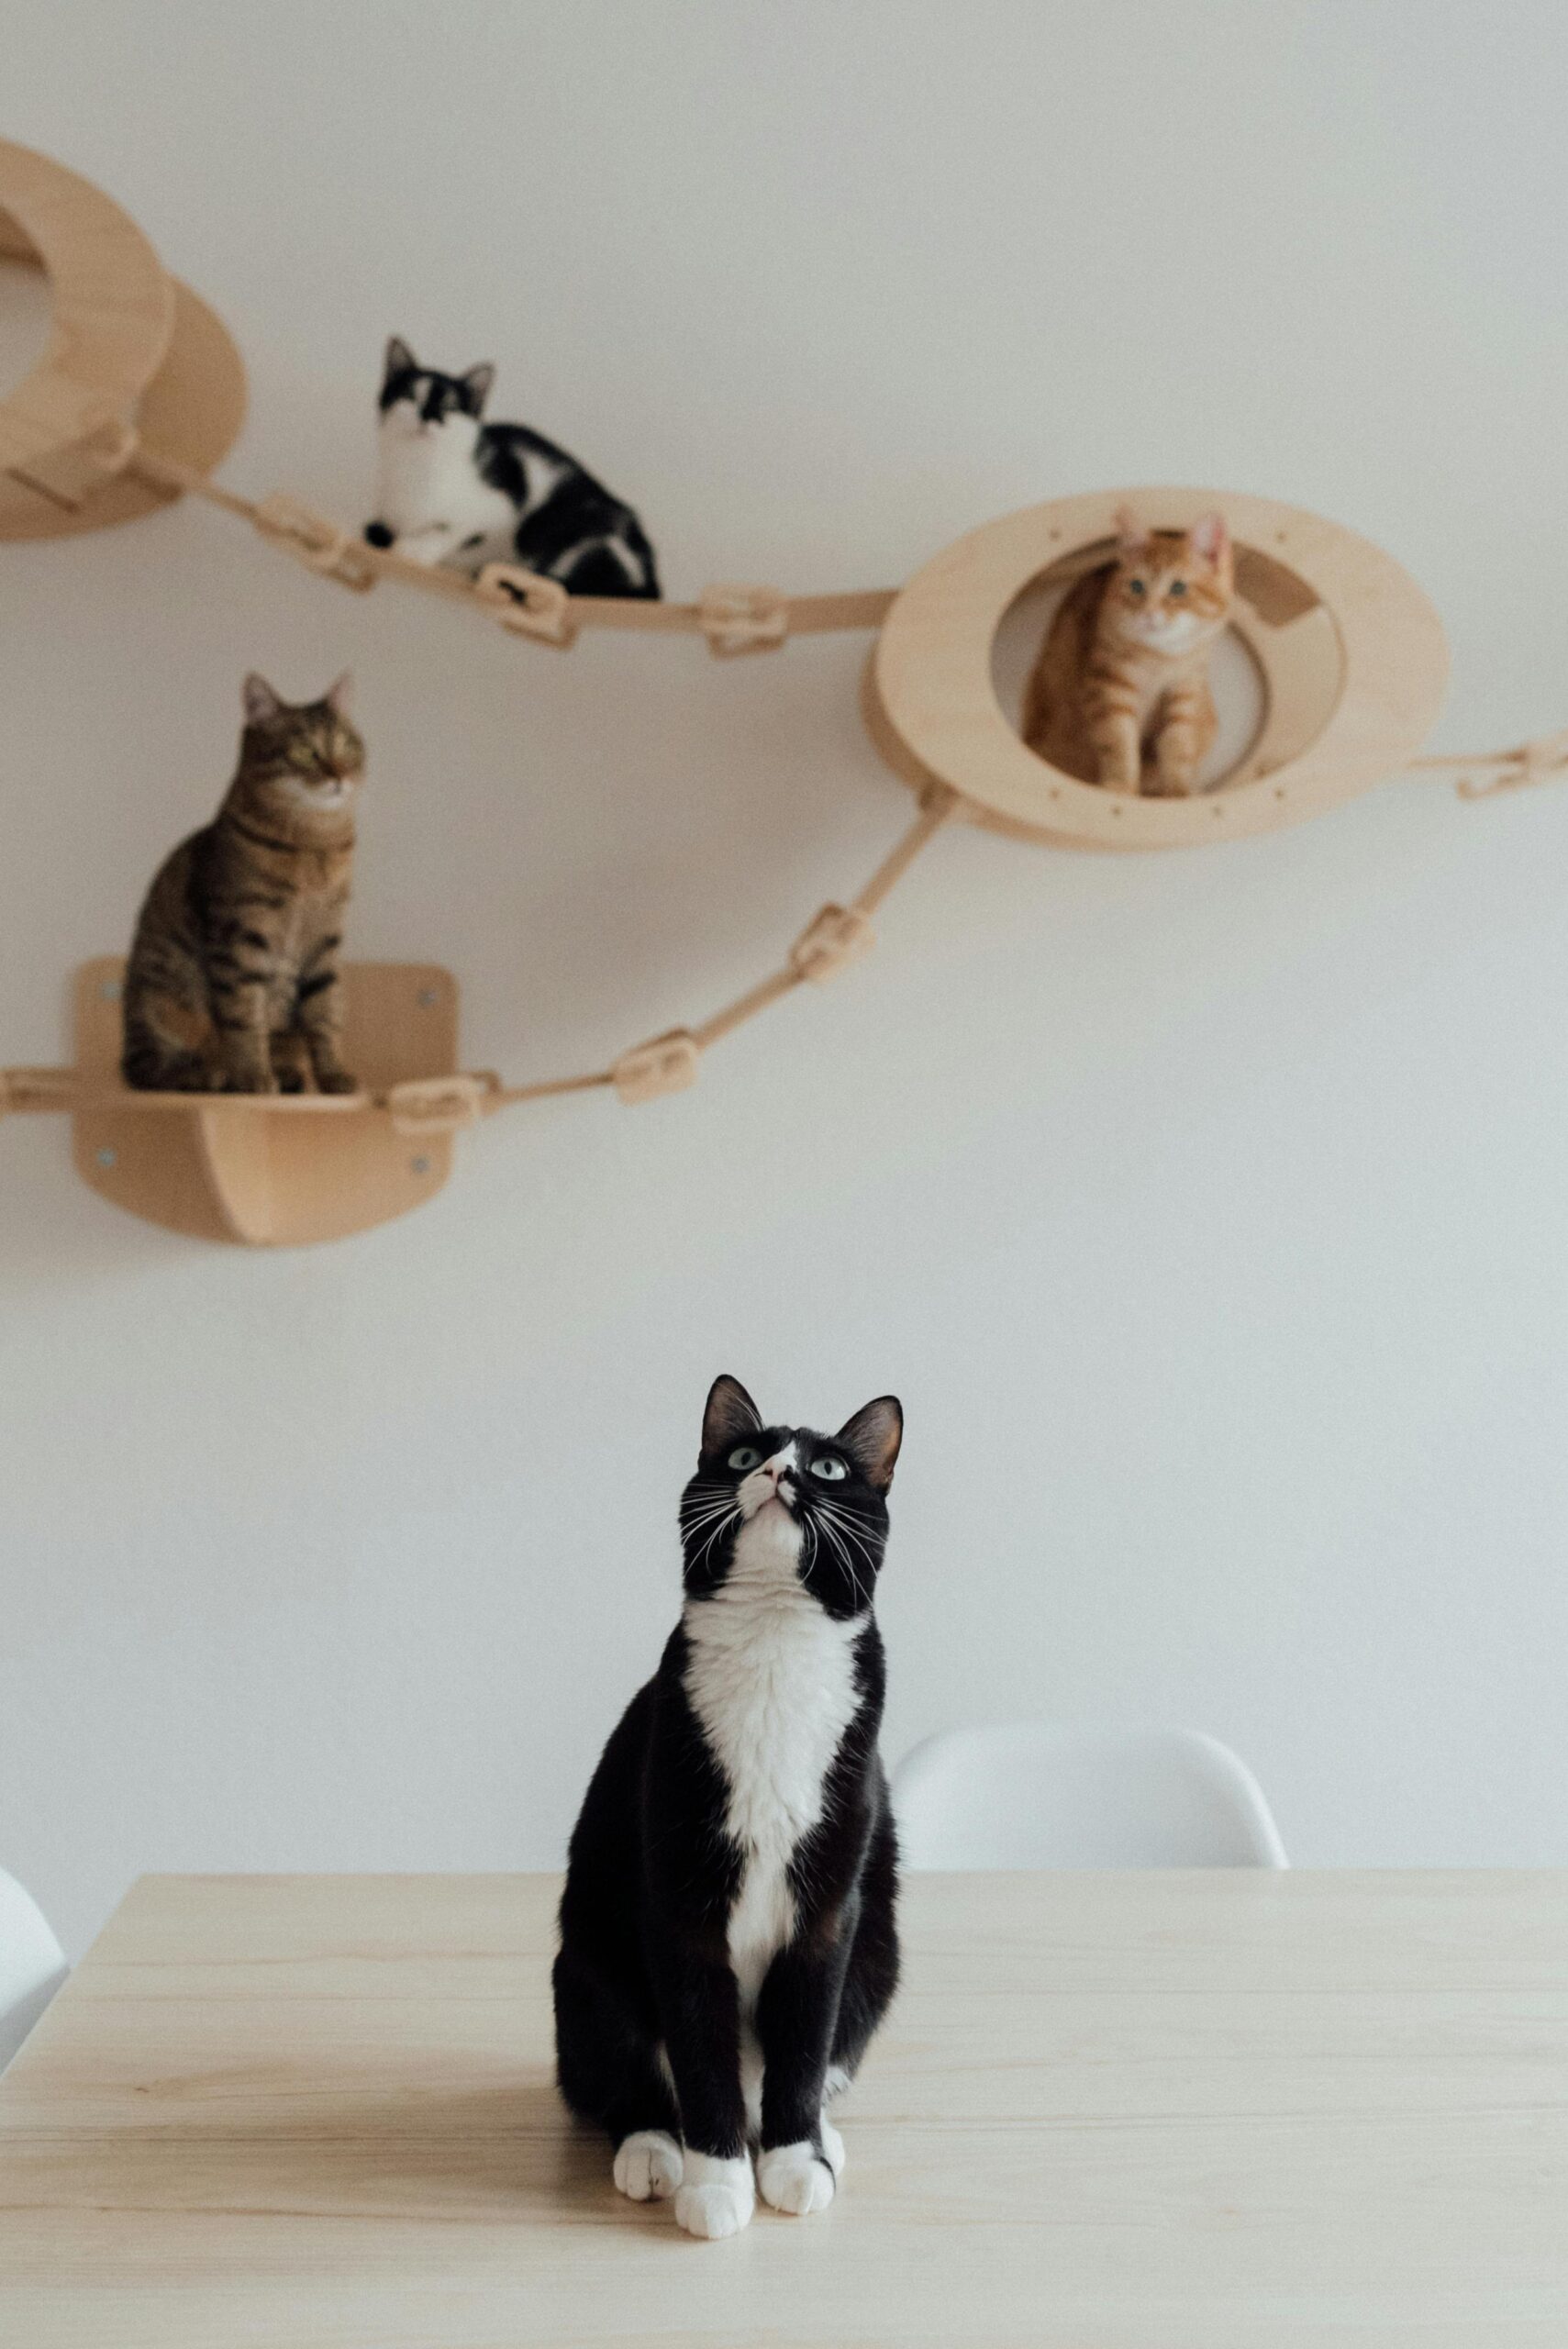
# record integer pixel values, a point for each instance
(1120, 695)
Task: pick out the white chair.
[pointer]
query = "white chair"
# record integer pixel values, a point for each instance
(32, 1966)
(1027, 1795)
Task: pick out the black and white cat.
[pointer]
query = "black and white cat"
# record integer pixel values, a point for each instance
(452, 489)
(727, 1933)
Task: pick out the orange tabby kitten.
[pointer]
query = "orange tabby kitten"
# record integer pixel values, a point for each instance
(1121, 683)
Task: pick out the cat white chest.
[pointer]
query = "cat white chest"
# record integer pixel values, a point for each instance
(772, 1680)
(430, 478)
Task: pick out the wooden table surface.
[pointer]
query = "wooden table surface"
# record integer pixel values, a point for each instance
(1194, 2111)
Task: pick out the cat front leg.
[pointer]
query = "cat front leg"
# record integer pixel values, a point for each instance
(429, 544)
(1184, 733)
(701, 2007)
(802, 2154)
(1118, 750)
(240, 1015)
(318, 1015)
(291, 1061)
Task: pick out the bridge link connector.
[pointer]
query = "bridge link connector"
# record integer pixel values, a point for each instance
(742, 619)
(830, 941)
(22, 1089)
(440, 1105)
(312, 540)
(1539, 760)
(527, 603)
(665, 1064)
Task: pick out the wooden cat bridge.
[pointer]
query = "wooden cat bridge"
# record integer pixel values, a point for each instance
(140, 393)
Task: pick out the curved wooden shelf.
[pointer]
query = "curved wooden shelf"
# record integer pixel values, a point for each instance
(278, 1170)
(128, 347)
(1350, 653)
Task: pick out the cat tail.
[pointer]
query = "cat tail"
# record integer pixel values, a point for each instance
(639, 543)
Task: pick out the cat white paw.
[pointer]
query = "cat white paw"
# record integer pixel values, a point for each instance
(648, 2166)
(797, 2179)
(717, 2196)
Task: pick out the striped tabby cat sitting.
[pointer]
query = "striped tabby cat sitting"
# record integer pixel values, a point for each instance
(1120, 693)
(233, 984)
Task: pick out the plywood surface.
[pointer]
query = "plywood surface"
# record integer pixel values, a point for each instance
(286, 1171)
(1140, 2112)
(1352, 687)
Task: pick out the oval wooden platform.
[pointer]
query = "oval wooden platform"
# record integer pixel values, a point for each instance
(1350, 653)
(128, 347)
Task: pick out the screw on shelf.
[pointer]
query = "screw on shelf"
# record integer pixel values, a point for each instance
(105, 1157)
(418, 1165)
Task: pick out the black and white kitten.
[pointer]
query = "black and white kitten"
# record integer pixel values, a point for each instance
(728, 1932)
(455, 490)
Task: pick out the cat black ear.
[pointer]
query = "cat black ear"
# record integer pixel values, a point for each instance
(260, 701)
(399, 361)
(873, 1437)
(476, 387)
(729, 1414)
(340, 696)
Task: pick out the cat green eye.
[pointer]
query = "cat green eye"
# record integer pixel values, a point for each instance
(1178, 587)
(831, 1471)
(744, 1456)
(1135, 588)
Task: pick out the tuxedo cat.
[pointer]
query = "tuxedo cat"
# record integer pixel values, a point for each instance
(458, 491)
(728, 1934)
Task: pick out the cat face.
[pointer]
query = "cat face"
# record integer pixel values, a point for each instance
(1170, 590)
(305, 754)
(782, 1504)
(419, 402)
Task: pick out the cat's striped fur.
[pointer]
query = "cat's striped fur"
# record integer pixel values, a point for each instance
(233, 983)
(1120, 695)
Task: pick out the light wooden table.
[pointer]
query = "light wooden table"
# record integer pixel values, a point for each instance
(1233, 2110)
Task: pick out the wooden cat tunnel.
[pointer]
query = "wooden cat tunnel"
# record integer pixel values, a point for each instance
(1348, 655)
(139, 394)
(132, 356)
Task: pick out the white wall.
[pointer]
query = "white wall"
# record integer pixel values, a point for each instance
(1207, 1211)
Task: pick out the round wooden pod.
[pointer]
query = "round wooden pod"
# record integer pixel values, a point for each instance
(1349, 657)
(129, 346)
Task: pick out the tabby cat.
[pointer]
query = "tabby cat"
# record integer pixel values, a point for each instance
(727, 1933)
(1120, 695)
(455, 490)
(233, 983)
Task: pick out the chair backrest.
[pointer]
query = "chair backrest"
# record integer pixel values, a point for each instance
(32, 1966)
(1027, 1795)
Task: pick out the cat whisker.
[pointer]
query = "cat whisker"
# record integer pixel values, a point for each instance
(836, 1539)
(692, 1520)
(843, 1530)
(727, 1516)
(851, 1529)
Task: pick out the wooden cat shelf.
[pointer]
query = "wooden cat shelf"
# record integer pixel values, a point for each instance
(1348, 652)
(142, 392)
(132, 355)
(283, 1169)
